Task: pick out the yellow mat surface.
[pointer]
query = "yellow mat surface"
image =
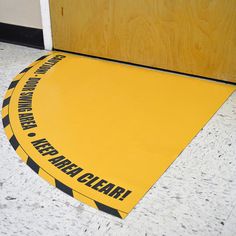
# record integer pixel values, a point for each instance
(104, 132)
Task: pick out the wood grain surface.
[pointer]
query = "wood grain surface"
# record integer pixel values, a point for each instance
(190, 36)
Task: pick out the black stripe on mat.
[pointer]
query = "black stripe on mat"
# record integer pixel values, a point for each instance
(6, 121)
(14, 142)
(63, 187)
(13, 84)
(108, 209)
(33, 165)
(26, 69)
(41, 58)
(6, 101)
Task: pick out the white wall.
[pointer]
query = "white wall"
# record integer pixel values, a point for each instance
(21, 12)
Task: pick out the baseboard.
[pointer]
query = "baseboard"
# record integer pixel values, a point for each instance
(21, 35)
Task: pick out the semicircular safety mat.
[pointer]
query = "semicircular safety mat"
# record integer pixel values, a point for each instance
(104, 132)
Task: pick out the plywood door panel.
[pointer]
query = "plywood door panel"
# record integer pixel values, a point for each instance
(191, 36)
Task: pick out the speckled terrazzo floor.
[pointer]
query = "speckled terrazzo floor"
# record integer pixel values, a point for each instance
(195, 196)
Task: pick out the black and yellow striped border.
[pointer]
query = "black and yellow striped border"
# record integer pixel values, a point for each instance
(32, 164)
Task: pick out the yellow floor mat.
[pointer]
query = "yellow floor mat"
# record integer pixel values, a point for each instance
(104, 132)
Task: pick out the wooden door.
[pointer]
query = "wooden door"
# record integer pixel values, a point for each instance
(191, 36)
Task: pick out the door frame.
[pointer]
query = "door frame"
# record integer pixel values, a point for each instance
(46, 24)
